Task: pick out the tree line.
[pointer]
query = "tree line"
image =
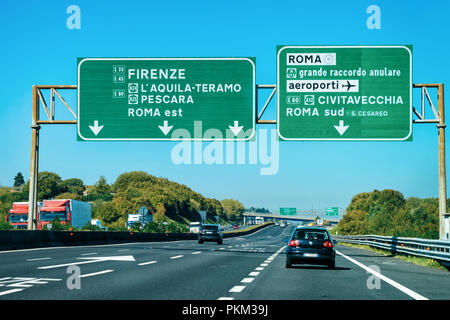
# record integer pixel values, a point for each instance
(388, 213)
(111, 203)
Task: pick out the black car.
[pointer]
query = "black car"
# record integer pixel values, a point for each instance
(311, 245)
(210, 232)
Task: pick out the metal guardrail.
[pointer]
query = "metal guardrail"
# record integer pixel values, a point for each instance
(427, 248)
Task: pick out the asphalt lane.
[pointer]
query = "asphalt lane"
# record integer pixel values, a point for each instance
(248, 267)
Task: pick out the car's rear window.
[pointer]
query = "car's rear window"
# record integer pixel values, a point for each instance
(310, 235)
(209, 228)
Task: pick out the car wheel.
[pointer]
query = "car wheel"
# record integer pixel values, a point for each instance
(288, 264)
(200, 241)
(332, 264)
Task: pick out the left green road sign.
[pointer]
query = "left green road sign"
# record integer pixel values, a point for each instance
(166, 98)
(288, 211)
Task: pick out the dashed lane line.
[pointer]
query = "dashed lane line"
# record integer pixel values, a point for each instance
(95, 273)
(2, 293)
(146, 263)
(39, 259)
(252, 275)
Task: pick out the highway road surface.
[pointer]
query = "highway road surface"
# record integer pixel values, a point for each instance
(248, 267)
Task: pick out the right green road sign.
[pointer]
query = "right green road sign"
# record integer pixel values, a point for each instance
(344, 92)
(332, 211)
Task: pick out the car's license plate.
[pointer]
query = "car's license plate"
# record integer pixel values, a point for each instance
(310, 255)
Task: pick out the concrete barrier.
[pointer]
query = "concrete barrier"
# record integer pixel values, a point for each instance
(28, 239)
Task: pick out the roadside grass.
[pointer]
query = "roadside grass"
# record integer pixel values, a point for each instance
(424, 262)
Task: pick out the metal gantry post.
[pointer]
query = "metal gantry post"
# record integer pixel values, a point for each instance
(34, 165)
(442, 177)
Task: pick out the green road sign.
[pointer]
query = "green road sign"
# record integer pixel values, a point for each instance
(288, 211)
(332, 211)
(344, 92)
(166, 98)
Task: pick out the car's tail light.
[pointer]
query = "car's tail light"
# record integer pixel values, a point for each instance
(328, 244)
(294, 243)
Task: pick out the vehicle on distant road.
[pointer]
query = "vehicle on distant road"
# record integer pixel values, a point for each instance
(67, 211)
(282, 225)
(319, 222)
(194, 227)
(98, 223)
(141, 219)
(236, 226)
(18, 215)
(311, 245)
(210, 232)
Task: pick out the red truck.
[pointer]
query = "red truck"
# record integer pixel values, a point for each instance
(18, 215)
(67, 211)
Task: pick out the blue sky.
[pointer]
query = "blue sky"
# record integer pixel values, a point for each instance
(38, 48)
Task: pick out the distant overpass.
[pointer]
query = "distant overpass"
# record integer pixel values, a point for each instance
(311, 217)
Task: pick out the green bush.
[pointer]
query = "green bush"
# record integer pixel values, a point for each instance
(162, 227)
(4, 225)
(116, 228)
(58, 226)
(90, 227)
(387, 213)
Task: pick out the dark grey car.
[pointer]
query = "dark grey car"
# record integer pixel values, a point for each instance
(311, 245)
(210, 232)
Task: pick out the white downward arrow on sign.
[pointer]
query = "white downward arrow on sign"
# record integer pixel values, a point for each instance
(166, 128)
(236, 128)
(341, 128)
(95, 128)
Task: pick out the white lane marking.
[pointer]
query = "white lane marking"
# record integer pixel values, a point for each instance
(2, 293)
(89, 253)
(237, 289)
(121, 250)
(93, 246)
(146, 263)
(263, 264)
(196, 252)
(225, 298)
(259, 269)
(90, 260)
(393, 283)
(253, 273)
(247, 280)
(38, 259)
(176, 257)
(222, 249)
(67, 264)
(95, 273)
